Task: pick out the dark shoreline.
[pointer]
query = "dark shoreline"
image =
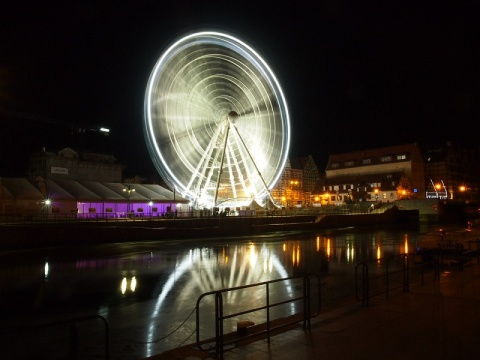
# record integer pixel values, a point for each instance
(78, 233)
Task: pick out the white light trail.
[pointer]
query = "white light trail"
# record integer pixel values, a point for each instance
(196, 83)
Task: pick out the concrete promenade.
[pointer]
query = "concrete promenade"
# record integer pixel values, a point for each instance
(437, 320)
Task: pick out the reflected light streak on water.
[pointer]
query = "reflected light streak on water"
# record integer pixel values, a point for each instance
(163, 282)
(184, 265)
(46, 269)
(250, 261)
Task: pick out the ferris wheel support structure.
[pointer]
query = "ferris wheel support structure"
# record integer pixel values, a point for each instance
(246, 149)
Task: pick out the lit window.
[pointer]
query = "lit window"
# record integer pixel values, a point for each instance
(367, 161)
(385, 158)
(401, 157)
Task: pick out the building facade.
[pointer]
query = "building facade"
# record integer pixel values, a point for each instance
(68, 164)
(452, 172)
(386, 174)
(377, 175)
(297, 183)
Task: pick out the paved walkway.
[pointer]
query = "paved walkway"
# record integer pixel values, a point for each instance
(437, 320)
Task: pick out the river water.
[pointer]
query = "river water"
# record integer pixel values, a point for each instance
(147, 290)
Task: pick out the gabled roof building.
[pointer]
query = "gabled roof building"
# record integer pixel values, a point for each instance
(378, 175)
(297, 183)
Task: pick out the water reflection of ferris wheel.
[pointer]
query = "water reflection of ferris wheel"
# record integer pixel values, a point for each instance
(234, 267)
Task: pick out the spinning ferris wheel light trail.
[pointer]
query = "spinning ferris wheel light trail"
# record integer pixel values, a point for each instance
(216, 120)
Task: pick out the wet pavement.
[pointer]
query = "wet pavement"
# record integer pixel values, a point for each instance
(439, 319)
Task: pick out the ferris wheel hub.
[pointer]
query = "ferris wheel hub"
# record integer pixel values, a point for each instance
(232, 117)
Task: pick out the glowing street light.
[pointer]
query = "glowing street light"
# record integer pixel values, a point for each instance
(46, 205)
(128, 189)
(463, 190)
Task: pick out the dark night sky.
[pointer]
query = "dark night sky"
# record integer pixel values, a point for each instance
(361, 76)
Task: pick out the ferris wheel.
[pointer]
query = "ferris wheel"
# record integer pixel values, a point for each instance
(216, 120)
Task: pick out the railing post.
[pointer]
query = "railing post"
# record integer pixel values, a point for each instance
(73, 353)
(477, 242)
(459, 250)
(306, 302)
(197, 320)
(365, 285)
(218, 324)
(107, 336)
(387, 292)
(268, 310)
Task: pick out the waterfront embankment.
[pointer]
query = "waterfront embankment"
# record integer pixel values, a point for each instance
(27, 235)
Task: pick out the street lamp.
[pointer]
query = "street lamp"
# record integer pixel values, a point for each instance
(46, 205)
(150, 205)
(128, 189)
(376, 194)
(462, 189)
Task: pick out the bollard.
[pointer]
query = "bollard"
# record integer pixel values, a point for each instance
(242, 326)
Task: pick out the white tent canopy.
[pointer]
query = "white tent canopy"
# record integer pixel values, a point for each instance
(19, 195)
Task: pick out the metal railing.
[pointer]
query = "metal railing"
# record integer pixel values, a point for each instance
(458, 254)
(40, 217)
(395, 272)
(306, 299)
(74, 336)
(384, 279)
